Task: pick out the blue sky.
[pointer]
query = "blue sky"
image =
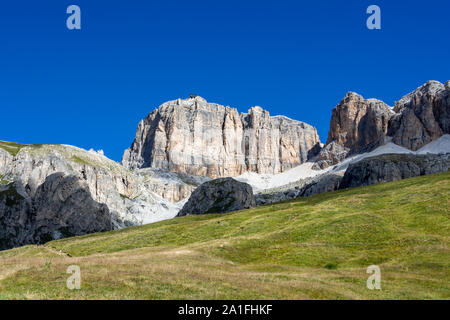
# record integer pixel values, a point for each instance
(91, 87)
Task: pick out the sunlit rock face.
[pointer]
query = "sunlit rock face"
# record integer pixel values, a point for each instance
(357, 125)
(422, 116)
(133, 198)
(199, 138)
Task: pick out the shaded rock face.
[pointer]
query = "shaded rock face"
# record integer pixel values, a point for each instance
(199, 138)
(326, 183)
(422, 116)
(15, 216)
(393, 167)
(219, 196)
(61, 207)
(357, 125)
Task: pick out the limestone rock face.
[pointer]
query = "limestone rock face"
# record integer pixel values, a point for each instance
(422, 116)
(62, 206)
(171, 186)
(393, 167)
(357, 125)
(5, 162)
(132, 198)
(199, 138)
(219, 196)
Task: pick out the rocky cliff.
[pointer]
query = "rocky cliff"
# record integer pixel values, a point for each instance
(206, 139)
(62, 206)
(421, 116)
(359, 125)
(127, 194)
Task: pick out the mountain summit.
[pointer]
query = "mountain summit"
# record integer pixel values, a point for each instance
(207, 139)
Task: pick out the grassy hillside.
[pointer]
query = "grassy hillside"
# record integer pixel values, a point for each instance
(314, 248)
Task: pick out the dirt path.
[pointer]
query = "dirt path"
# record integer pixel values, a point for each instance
(56, 251)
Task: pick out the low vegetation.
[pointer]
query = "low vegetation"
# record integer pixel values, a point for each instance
(308, 248)
(11, 147)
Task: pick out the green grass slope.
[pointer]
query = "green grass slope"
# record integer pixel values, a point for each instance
(309, 248)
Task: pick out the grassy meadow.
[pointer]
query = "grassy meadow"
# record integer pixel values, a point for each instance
(308, 248)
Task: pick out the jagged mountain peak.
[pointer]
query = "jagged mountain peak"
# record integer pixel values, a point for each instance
(359, 125)
(430, 88)
(353, 96)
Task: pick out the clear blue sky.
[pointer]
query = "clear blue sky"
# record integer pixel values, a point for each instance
(90, 88)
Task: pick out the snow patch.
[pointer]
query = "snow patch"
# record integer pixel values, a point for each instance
(441, 145)
(261, 182)
(384, 149)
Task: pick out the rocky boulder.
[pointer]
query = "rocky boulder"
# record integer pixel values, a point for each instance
(392, 167)
(219, 196)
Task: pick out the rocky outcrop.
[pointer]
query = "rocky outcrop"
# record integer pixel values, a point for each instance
(422, 116)
(357, 125)
(127, 194)
(393, 167)
(199, 138)
(61, 207)
(326, 183)
(219, 196)
(331, 154)
(172, 186)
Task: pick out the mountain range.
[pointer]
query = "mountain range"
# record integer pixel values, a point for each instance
(54, 191)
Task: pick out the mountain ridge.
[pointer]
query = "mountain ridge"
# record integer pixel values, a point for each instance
(193, 141)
